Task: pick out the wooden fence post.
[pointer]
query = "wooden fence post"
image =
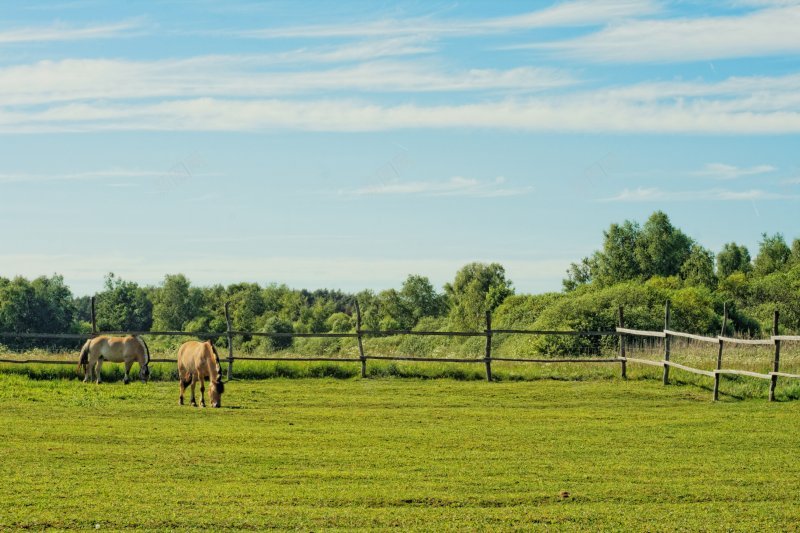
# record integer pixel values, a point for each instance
(717, 375)
(776, 364)
(621, 336)
(666, 343)
(488, 356)
(230, 340)
(361, 353)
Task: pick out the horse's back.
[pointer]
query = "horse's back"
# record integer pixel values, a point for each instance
(192, 357)
(116, 349)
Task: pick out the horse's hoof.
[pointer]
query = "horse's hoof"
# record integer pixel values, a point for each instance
(180, 401)
(126, 381)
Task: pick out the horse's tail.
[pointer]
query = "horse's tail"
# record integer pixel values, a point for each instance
(83, 360)
(146, 366)
(146, 350)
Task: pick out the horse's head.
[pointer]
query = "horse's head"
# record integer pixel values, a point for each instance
(144, 372)
(215, 393)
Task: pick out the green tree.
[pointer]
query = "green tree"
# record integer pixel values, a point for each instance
(477, 288)
(794, 259)
(773, 255)
(394, 311)
(123, 306)
(44, 305)
(580, 273)
(617, 261)
(733, 258)
(276, 325)
(421, 299)
(661, 248)
(176, 303)
(698, 269)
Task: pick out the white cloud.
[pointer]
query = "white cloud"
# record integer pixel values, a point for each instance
(723, 171)
(577, 113)
(242, 76)
(114, 173)
(769, 31)
(61, 32)
(564, 14)
(654, 194)
(455, 186)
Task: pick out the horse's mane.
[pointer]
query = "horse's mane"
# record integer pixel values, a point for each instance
(216, 358)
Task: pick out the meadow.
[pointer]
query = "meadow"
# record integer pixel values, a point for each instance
(585, 451)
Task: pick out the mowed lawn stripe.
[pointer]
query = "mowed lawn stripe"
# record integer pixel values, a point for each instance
(414, 454)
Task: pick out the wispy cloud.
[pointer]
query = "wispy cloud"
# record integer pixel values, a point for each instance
(565, 14)
(244, 76)
(763, 32)
(115, 173)
(579, 112)
(455, 186)
(655, 194)
(722, 171)
(62, 32)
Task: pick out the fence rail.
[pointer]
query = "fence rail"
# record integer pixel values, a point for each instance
(620, 332)
(774, 340)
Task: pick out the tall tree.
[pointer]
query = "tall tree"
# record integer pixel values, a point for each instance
(176, 303)
(44, 305)
(477, 288)
(123, 306)
(733, 258)
(616, 262)
(661, 248)
(773, 254)
(420, 297)
(698, 269)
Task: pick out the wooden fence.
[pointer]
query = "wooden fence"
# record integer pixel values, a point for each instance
(621, 332)
(775, 340)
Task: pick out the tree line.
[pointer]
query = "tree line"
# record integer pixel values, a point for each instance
(638, 266)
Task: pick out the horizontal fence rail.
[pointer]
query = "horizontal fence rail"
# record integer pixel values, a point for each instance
(774, 340)
(620, 332)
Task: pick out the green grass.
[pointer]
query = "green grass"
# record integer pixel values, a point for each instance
(422, 454)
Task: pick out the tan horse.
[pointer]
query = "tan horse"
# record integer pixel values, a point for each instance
(196, 362)
(116, 350)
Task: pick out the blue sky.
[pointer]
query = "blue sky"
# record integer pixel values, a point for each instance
(349, 144)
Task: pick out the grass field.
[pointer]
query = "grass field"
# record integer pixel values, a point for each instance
(406, 453)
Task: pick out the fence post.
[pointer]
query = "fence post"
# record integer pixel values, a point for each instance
(717, 375)
(361, 353)
(621, 336)
(776, 364)
(666, 343)
(94, 319)
(230, 340)
(488, 356)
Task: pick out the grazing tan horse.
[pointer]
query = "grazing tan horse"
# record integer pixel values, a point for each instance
(196, 362)
(116, 350)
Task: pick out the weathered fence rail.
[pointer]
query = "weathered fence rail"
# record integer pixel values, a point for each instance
(774, 340)
(621, 332)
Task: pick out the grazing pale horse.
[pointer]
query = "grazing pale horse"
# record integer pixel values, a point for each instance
(196, 362)
(126, 350)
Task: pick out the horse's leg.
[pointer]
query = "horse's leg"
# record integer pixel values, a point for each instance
(99, 368)
(183, 387)
(194, 382)
(126, 378)
(87, 375)
(202, 393)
